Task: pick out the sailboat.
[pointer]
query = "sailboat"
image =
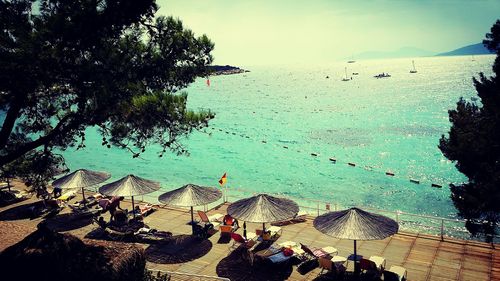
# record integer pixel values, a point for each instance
(345, 77)
(413, 70)
(351, 60)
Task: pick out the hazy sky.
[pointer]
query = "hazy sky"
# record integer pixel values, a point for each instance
(257, 32)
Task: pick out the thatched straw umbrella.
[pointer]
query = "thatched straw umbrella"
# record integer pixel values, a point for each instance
(81, 178)
(263, 208)
(130, 186)
(356, 224)
(47, 255)
(190, 195)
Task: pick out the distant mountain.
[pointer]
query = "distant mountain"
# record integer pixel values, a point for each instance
(475, 49)
(405, 52)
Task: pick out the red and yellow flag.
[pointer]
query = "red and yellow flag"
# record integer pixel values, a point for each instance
(223, 180)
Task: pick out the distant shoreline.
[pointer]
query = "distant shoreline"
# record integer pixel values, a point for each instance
(225, 70)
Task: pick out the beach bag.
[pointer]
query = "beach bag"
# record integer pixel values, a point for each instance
(287, 252)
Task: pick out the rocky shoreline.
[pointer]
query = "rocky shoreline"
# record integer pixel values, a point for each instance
(225, 70)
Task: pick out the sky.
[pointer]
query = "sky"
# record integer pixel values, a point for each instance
(259, 32)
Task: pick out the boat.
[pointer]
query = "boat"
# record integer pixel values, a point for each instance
(382, 75)
(351, 61)
(345, 77)
(413, 70)
(355, 73)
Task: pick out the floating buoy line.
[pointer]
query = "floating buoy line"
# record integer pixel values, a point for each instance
(334, 160)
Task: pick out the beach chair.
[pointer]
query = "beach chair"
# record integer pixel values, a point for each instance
(68, 195)
(279, 257)
(226, 230)
(395, 273)
(213, 219)
(319, 252)
(143, 210)
(368, 267)
(325, 263)
(238, 241)
(300, 217)
(379, 262)
(272, 233)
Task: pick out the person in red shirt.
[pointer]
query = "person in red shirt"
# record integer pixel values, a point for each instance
(228, 220)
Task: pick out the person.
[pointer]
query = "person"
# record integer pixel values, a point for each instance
(229, 220)
(102, 223)
(113, 205)
(57, 191)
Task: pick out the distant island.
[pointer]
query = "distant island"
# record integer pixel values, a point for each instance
(225, 70)
(475, 49)
(411, 52)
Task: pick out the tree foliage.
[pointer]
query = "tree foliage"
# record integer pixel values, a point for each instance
(474, 144)
(68, 65)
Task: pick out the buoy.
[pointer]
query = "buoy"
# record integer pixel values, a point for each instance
(351, 164)
(390, 174)
(227, 132)
(264, 141)
(234, 134)
(436, 185)
(333, 160)
(415, 181)
(314, 154)
(285, 146)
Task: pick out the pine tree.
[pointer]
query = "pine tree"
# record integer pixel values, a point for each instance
(474, 144)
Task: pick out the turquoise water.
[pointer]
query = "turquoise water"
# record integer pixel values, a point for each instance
(392, 124)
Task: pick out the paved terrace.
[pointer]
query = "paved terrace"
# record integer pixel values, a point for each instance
(425, 257)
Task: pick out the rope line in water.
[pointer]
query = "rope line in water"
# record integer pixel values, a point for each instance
(334, 160)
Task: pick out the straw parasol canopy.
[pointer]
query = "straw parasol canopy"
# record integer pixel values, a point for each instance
(80, 179)
(263, 208)
(190, 195)
(129, 186)
(356, 224)
(47, 255)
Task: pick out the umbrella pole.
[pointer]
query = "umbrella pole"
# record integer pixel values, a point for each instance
(355, 259)
(263, 228)
(133, 208)
(83, 194)
(245, 230)
(192, 220)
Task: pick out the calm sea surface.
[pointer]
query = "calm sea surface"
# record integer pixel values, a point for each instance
(391, 124)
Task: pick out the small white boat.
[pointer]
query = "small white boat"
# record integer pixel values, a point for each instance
(382, 75)
(414, 70)
(345, 77)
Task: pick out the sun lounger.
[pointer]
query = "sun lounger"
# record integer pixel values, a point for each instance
(67, 196)
(279, 257)
(325, 264)
(379, 262)
(238, 241)
(319, 252)
(213, 219)
(143, 210)
(395, 273)
(272, 233)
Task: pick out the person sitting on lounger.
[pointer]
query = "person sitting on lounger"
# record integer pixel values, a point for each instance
(57, 191)
(228, 220)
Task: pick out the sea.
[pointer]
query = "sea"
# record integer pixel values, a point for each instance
(278, 129)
